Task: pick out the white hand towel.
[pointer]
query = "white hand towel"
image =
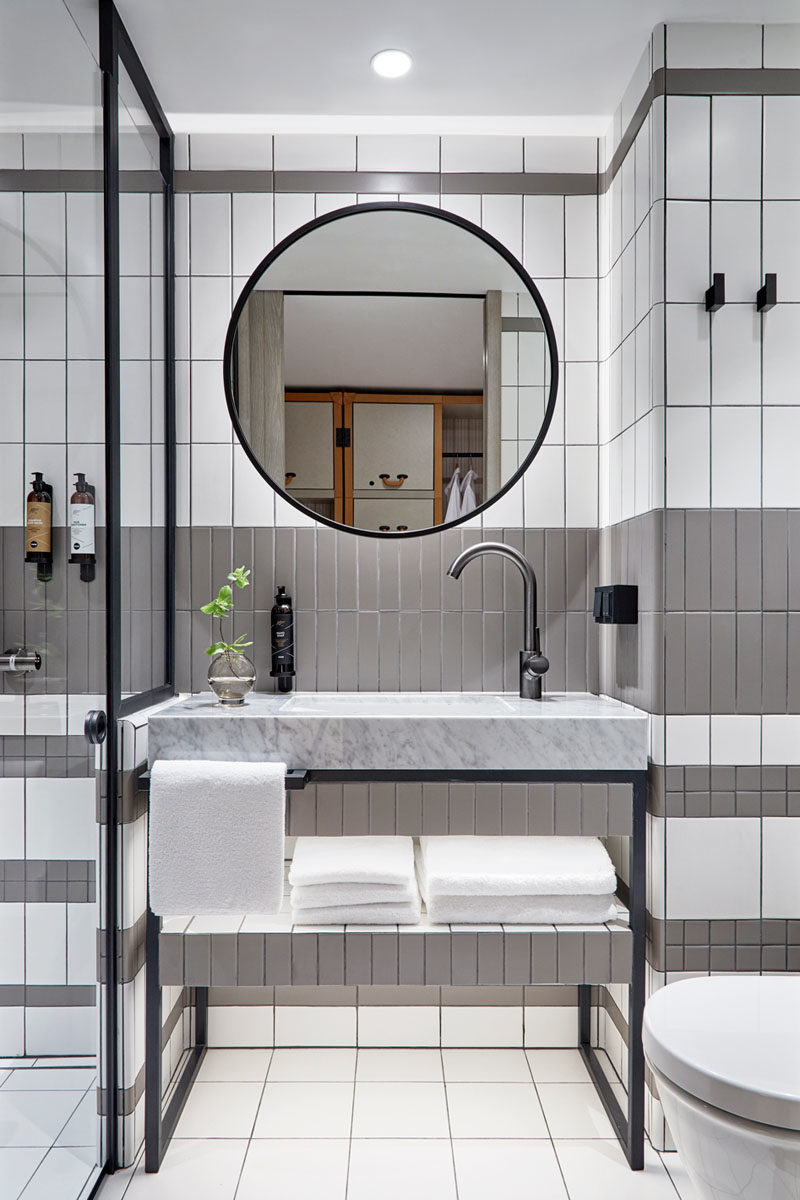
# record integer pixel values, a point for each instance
(466, 865)
(352, 860)
(323, 895)
(359, 914)
(468, 501)
(216, 837)
(452, 493)
(521, 910)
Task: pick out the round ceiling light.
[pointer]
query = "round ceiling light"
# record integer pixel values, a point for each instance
(391, 64)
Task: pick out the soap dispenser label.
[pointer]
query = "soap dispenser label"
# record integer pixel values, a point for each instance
(81, 520)
(37, 532)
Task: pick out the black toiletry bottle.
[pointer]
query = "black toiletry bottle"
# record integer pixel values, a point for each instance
(283, 641)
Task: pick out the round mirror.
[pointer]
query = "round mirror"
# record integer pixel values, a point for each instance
(390, 369)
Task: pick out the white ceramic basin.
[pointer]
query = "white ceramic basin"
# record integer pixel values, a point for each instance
(408, 731)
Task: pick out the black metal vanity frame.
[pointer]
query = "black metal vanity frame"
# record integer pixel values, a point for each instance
(629, 1128)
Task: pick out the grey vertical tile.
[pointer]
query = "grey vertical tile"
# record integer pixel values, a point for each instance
(331, 958)
(183, 569)
(723, 662)
(488, 809)
(410, 652)
(462, 808)
(305, 636)
(698, 557)
(514, 809)
(197, 960)
(555, 574)
(171, 958)
(284, 558)
(305, 585)
(577, 577)
(437, 958)
(620, 809)
(347, 650)
(367, 551)
(384, 958)
(11, 585)
(202, 585)
(793, 663)
(472, 651)
(263, 567)
(534, 550)
(493, 568)
(517, 957)
(674, 560)
(431, 651)
(346, 572)
(621, 956)
(794, 558)
(329, 809)
(471, 580)
(78, 643)
(774, 668)
(388, 575)
(775, 559)
(541, 808)
(409, 808)
(221, 556)
(389, 651)
(698, 662)
(554, 645)
(596, 956)
(723, 560)
(410, 569)
(567, 808)
(464, 957)
(748, 662)
(576, 659)
(382, 808)
(368, 651)
(435, 808)
(594, 809)
(355, 809)
(490, 958)
(492, 669)
(431, 572)
(277, 959)
(675, 662)
(748, 560)
(223, 960)
(411, 958)
(326, 651)
(250, 954)
(305, 958)
(452, 590)
(301, 817)
(513, 629)
(326, 568)
(451, 651)
(544, 957)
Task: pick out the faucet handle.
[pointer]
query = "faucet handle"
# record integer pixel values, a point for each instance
(532, 666)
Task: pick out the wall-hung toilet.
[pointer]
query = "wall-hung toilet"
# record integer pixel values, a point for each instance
(725, 1053)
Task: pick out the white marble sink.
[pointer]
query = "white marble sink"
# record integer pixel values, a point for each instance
(363, 731)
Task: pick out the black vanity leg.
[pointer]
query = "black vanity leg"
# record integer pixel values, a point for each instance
(152, 1039)
(638, 868)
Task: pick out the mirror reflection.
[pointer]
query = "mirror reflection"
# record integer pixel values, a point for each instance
(390, 369)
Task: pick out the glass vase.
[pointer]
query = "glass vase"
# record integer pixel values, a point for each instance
(231, 676)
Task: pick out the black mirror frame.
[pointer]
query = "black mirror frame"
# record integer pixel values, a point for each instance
(393, 206)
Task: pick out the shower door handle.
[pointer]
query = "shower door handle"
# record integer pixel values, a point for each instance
(95, 727)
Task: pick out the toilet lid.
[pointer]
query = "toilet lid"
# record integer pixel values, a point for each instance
(731, 1041)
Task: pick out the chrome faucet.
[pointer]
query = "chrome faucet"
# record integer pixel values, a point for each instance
(532, 663)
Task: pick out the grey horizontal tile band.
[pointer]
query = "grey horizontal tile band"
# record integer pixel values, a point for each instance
(461, 957)
(521, 325)
(47, 995)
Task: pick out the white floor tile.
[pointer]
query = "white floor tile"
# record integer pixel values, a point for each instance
(325, 1064)
(4, 1075)
(72, 1060)
(204, 1169)
(35, 1118)
(66, 1079)
(82, 1127)
(574, 1110)
(508, 1170)
(17, 1164)
(295, 1170)
(219, 1110)
(495, 1110)
(400, 1110)
(418, 1066)
(17, 1064)
(397, 1170)
(305, 1110)
(557, 1066)
(679, 1176)
(234, 1066)
(498, 1066)
(63, 1172)
(597, 1170)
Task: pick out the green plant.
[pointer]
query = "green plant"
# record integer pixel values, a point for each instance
(222, 606)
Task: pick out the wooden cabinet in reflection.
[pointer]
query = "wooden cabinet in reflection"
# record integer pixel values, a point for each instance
(379, 461)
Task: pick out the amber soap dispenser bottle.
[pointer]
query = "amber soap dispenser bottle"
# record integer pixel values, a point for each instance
(39, 527)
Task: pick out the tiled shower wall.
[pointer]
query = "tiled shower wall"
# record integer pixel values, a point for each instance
(712, 537)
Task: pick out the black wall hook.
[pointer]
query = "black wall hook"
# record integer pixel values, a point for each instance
(767, 296)
(715, 295)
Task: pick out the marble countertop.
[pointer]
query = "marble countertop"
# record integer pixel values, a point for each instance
(480, 731)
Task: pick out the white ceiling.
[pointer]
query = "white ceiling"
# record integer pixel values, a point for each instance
(512, 58)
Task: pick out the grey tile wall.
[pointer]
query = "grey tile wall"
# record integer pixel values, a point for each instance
(48, 881)
(722, 945)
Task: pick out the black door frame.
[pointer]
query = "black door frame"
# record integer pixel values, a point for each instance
(117, 48)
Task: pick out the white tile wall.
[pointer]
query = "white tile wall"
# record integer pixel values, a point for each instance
(688, 455)
(736, 147)
(735, 248)
(781, 144)
(463, 152)
(713, 45)
(780, 856)
(60, 818)
(713, 868)
(781, 477)
(688, 146)
(736, 458)
(736, 740)
(399, 1026)
(310, 152)
(398, 152)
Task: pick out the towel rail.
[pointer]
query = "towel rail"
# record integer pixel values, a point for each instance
(629, 1126)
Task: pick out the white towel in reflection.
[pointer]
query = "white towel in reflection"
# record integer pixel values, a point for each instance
(323, 895)
(359, 914)
(521, 910)
(452, 494)
(468, 501)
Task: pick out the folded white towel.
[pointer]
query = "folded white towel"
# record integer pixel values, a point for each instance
(407, 913)
(514, 866)
(367, 859)
(323, 895)
(216, 837)
(522, 910)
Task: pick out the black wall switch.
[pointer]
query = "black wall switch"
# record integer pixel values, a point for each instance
(616, 604)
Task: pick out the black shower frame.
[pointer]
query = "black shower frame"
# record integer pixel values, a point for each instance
(117, 48)
(228, 365)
